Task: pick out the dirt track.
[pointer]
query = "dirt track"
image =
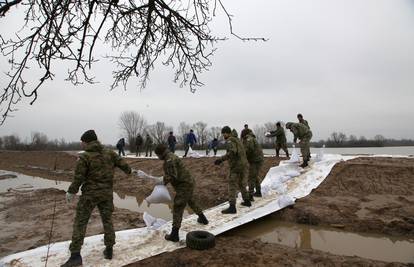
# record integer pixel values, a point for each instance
(362, 195)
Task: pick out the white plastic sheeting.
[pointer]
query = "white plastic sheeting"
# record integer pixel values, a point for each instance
(281, 189)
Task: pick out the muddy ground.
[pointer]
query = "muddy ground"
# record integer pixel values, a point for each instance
(372, 195)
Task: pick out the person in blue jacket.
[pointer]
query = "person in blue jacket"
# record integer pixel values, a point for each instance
(190, 140)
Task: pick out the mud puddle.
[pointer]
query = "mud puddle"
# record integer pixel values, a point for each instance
(370, 246)
(18, 181)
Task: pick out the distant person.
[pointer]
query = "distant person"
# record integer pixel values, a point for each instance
(303, 121)
(183, 183)
(139, 141)
(280, 142)
(213, 145)
(94, 173)
(301, 132)
(190, 140)
(172, 141)
(120, 145)
(245, 131)
(237, 180)
(148, 145)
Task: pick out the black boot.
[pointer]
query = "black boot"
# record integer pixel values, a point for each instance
(173, 236)
(74, 260)
(230, 210)
(247, 203)
(202, 219)
(258, 192)
(108, 253)
(251, 196)
(304, 164)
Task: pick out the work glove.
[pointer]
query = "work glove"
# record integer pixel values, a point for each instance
(218, 161)
(69, 197)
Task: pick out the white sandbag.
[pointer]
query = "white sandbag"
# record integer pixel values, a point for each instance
(152, 222)
(320, 154)
(148, 219)
(192, 154)
(285, 201)
(295, 155)
(160, 194)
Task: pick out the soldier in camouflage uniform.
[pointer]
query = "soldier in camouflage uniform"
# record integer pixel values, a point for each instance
(303, 121)
(254, 154)
(280, 142)
(245, 131)
(94, 172)
(148, 145)
(302, 132)
(183, 183)
(236, 156)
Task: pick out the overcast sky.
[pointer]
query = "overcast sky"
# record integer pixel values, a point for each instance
(346, 65)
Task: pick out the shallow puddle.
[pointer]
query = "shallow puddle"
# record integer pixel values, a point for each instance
(25, 182)
(371, 246)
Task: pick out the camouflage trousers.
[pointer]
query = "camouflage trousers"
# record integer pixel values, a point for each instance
(237, 182)
(84, 210)
(254, 180)
(282, 146)
(305, 146)
(184, 196)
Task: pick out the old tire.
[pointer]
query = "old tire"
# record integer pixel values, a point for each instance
(200, 240)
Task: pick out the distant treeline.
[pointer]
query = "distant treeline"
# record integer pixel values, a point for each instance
(40, 141)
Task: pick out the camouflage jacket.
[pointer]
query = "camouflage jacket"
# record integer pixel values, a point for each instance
(279, 134)
(176, 173)
(300, 131)
(95, 171)
(148, 141)
(254, 152)
(305, 122)
(235, 154)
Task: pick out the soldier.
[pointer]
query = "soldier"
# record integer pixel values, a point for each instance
(94, 172)
(301, 120)
(245, 131)
(171, 142)
(254, 154)
(302, 132)
(148, 145)
(138, 144)
(280, 142)
(236, 156)
(190, 140)
(183, 183)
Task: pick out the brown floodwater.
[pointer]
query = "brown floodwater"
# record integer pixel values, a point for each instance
(371, 246)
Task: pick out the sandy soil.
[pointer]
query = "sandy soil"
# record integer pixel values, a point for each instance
(362, 195)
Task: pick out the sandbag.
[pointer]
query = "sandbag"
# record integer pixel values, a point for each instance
(192, 154)
(295, 155)
(160, 194)
(152, 222)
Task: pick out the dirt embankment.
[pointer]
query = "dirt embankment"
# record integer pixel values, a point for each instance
(362, 195)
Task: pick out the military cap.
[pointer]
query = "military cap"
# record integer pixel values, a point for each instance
(288, 125)
(89, 136)
(226, 129)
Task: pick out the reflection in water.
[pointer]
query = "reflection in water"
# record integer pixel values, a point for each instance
(132, 203)
(371, 246)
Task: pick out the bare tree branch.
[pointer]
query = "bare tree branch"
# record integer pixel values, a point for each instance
(140, 33)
